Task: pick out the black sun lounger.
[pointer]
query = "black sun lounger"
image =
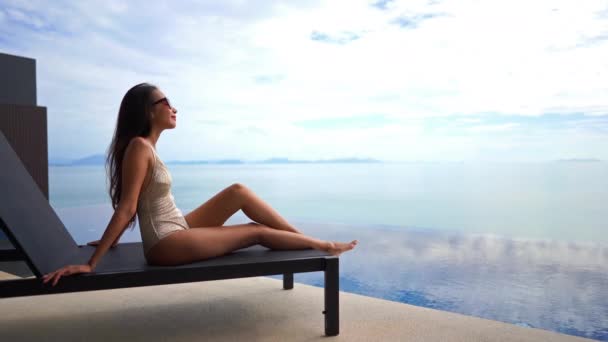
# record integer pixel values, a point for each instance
(42, 241)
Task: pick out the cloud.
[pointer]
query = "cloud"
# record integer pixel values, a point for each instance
(339, 38)
(494, 128)
(268, 79)
(282, 65)
(602, 14)
(383, 4)
(598, 39)
(25, 18)
(413, 21)
(368, 121)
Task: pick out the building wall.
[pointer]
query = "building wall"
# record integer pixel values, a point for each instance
(25, 128)
(18, 81)
(22, 121)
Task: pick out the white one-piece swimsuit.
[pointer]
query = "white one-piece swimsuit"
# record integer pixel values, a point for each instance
(156, 211)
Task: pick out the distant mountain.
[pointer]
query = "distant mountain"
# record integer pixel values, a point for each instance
(324, 161)
(95, 159)
(100, 159)
(276, 161)
(229, 161)
(196, 162)
(579, 160)
(350, 160)
(59, 161)
(187, 162)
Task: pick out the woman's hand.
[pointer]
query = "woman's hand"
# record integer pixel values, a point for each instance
(96, 243)
(65, 271)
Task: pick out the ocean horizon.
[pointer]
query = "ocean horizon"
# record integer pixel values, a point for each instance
(551, 200)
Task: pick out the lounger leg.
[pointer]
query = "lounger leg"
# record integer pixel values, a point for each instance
(332, 307)
(287, 281)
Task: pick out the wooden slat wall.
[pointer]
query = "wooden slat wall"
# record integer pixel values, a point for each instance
(25, 127)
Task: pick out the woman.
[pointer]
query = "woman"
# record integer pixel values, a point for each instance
(141, 184)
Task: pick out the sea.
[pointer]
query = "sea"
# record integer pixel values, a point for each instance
(522, 243)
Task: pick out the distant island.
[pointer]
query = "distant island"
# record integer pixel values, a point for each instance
(99, 159)
(579, 160)
(96, 159)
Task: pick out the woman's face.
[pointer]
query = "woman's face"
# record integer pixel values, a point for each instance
(163, 114)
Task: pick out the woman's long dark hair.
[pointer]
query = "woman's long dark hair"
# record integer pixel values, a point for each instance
(133, 121)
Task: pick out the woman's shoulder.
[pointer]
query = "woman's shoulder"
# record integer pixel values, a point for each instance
(138, 144)
(140, 141)
(139, 147)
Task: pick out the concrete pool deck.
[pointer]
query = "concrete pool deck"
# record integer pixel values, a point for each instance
(238, 309)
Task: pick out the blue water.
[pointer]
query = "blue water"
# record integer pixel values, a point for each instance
(519, 243)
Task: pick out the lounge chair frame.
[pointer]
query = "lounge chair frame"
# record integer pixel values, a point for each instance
(41, 240)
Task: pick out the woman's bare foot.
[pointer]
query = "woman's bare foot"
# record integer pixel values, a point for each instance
(337, 248)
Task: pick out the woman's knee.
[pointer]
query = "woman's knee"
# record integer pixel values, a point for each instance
(239, 192)
(238, 188)
(263, 232)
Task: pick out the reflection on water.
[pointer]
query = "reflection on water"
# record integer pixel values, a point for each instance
(549, 285)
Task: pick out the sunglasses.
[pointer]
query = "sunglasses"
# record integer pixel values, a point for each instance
(164, 100)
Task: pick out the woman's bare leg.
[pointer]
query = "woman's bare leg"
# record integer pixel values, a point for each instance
(277, 239)
(198, 244)
(258, 210)
(217, 210)
(280, 239)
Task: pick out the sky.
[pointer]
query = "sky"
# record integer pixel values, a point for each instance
(489, 80)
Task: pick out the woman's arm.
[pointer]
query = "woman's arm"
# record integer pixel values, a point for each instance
(134, 169)
(96, 242)
(118, 224)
